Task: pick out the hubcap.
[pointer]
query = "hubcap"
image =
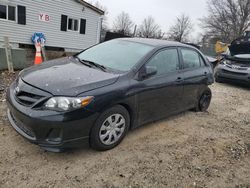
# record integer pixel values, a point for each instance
(112, 129)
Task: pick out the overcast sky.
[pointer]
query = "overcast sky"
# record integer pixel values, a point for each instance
(164, 11)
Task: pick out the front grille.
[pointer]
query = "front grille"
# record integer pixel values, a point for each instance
(28, 99)
(23, 127)
(238, 68)
(235, 73)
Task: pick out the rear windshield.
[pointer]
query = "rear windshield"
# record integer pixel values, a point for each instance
(120, 55)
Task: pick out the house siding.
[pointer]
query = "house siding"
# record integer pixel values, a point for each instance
(55, 37)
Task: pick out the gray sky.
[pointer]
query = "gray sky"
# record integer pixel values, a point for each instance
(164, 11)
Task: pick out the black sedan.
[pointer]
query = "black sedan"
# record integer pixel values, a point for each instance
(95, 97)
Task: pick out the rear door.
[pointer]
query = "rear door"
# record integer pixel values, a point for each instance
(194, 75)
(161, 94)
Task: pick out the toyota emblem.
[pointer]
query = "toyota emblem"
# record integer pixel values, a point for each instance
(235, 67)
(17, 90)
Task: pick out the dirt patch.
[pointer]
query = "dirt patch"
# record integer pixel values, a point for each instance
(6, 79)
(210, 149)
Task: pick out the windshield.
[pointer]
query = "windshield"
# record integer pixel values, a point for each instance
(116, 54)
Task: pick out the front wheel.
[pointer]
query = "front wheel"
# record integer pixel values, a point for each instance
(204, 101)
(110, 128)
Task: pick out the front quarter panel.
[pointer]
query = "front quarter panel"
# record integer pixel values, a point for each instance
(118, 93)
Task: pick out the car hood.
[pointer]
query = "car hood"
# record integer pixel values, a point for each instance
(240, 46)
(66, 77)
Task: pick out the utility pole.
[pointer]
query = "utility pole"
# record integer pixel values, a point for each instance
(135, 29)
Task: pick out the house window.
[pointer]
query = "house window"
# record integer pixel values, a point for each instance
(69, 24)
(73, 24)
(12, 13)
(8, 12)
(3, 12)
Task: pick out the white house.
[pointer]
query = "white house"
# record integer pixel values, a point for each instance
(69, 24)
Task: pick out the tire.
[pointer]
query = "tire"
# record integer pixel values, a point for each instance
(204, 101)
(218, 80)
(110, 128)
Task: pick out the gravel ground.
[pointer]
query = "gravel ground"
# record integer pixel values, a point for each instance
(210, 149)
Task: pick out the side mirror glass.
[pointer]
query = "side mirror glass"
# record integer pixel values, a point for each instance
(147, 72)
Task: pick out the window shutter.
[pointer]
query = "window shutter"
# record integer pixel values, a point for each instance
(21, 11)
(83, 26)
(64, 22)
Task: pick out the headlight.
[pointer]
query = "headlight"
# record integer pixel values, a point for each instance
(67, 103)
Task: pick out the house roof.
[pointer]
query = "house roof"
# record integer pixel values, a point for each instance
(91, 7)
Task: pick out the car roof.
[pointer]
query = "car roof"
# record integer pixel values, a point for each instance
(156, 42)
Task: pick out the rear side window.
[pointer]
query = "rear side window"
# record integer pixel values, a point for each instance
(165, 61)
(202, 61)
(191, 58)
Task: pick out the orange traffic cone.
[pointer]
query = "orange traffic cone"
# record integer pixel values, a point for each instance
(38, 58)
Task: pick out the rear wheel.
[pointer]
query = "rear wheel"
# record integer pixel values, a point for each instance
(218, 80)
(110, 128)
(204, 101)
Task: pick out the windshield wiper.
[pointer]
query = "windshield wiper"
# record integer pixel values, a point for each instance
(102, 67)
(83, 62)
(91, 64)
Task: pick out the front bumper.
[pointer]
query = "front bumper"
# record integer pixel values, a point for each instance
(53, 131)
(232, 75)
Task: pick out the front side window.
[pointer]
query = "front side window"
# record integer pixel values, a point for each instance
(73, 24)
(166, 61)
(191, 58)
(119, 55)
(3, 12)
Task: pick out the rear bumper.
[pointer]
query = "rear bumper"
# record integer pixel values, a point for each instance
(53, 131)
(230, 75)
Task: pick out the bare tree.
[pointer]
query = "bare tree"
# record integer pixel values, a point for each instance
(227, 19)
(181, 28)
(150, 29)
(123, 24)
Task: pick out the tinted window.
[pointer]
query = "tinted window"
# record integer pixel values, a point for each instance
(165, 61)
(11, 13)
(3, 14)
(191, 58)
(121, 55)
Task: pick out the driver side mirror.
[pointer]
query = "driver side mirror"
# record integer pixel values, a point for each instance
(147, 72)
